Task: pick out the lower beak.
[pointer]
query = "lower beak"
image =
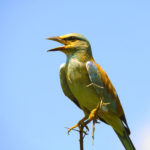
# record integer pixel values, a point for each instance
(58, 39)
(61, 48)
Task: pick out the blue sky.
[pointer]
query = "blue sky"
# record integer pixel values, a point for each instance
(33, 110)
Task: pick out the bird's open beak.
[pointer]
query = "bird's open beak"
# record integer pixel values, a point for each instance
(58, 39)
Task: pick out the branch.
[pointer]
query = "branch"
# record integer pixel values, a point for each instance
(81, 138)
(81, 134)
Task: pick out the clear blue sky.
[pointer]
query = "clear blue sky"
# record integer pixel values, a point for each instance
(33, 109)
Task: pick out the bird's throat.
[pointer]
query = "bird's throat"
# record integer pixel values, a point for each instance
(81, 56)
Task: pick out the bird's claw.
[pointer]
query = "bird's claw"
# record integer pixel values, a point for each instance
(80, 125)
(92, 117)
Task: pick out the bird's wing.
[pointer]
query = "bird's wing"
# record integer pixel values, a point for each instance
(64, 85)
(102, 83)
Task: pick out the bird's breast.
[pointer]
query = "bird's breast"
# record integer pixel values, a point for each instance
(75, 72)
(78, 81)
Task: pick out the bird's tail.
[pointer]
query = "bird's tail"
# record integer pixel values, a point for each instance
(126, 141)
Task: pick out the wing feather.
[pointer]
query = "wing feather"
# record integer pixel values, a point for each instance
(65, 86)
(99, 77)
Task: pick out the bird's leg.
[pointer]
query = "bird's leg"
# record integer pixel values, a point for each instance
(81, 122)
(94, 116)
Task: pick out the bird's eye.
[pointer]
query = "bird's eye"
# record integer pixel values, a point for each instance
(70, 38)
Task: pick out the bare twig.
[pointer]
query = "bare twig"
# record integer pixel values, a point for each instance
(93, 84)
(83, 136)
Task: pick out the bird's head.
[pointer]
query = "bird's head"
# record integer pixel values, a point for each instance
(72, 43)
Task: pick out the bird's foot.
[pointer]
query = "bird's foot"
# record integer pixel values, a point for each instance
(94, 116)
(79, 124)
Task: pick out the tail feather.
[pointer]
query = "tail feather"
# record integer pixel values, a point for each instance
(126, 141)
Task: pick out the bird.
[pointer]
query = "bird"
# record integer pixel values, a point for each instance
(88, 86)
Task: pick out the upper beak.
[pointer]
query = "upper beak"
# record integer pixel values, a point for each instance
(58, 39)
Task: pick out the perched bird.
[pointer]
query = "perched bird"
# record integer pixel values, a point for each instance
(86, 84)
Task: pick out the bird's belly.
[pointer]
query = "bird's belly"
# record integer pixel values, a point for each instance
(78, 81)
